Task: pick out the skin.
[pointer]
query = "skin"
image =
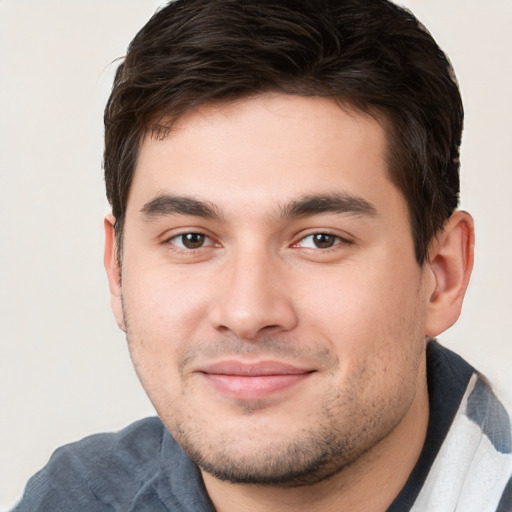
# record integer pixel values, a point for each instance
(282, 341)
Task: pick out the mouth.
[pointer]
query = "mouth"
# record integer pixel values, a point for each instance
(252, 381)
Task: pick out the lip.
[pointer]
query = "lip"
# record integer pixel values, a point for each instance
(252, 381)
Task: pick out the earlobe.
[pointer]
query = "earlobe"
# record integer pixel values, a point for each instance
(113, 270)
(450, 263)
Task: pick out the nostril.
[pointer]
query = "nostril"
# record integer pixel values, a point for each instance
(223, 329)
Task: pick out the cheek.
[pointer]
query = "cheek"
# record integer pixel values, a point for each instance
(164, 313)
(164, 302)
(367, 312)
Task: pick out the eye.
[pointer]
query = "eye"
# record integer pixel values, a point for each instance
(320, 241)
(190, 241)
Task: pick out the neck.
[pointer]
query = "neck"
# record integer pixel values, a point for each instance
(369, 484)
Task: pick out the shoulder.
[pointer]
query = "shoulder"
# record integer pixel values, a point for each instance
(99, 472)
(111, 455)
(472, 469)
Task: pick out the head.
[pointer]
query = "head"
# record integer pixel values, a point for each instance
(283, 177)
(371, 55)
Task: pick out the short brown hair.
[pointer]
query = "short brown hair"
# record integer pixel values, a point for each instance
(371, 54)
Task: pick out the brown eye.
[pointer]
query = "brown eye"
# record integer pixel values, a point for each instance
(190, 241)
(193, 240)
(323, 240)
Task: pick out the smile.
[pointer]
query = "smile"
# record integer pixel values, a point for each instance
(242, 381)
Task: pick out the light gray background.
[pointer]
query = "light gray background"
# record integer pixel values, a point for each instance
(64, 368)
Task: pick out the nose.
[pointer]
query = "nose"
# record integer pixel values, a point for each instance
(252, 300)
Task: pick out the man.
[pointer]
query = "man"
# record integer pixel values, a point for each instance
(283, 246)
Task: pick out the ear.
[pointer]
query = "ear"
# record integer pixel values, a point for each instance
(450, 263)
(111, 263)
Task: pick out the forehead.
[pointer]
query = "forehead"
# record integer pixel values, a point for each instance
(271, 147)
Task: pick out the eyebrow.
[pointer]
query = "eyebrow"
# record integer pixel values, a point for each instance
(314, 204)
(328, 203)
(168, 204)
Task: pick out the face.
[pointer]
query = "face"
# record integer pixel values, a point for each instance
(274, 309)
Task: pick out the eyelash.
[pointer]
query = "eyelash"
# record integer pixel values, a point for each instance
(337, 240)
